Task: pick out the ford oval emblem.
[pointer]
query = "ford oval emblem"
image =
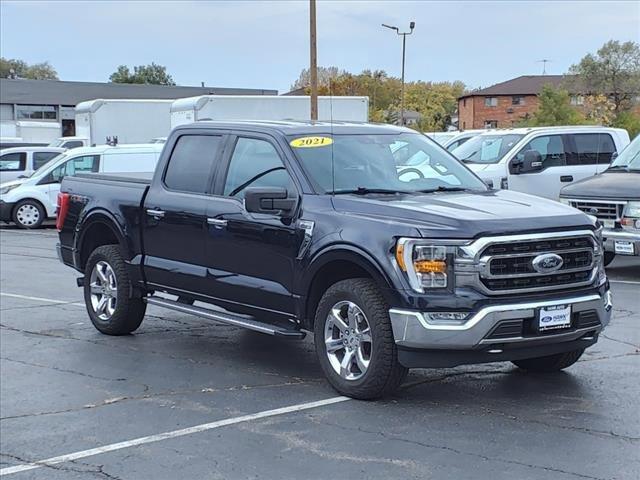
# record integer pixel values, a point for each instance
(593, 211)
(547, 263)
(546, 319)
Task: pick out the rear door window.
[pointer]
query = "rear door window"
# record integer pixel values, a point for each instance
(191, 163)
(592, 148)
(13, 162)
(40, 158)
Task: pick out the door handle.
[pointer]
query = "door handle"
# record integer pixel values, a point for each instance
(566, 178)
(155, 213)
(217, 222)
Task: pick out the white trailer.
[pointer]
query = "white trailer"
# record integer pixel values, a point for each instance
(132, 121)
(37, 132)
(267, 107)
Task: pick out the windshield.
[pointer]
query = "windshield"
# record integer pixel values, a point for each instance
(47, 166)
(486, 148)
(380, 163)
(629, 158)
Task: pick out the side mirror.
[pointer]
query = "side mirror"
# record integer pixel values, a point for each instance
(489, 183)
(268, 200)
(532, 162)
(614, 155)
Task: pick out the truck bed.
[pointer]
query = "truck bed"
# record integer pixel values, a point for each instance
(128, 177)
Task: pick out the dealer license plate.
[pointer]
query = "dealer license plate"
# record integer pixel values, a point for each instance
(624, 248)
(557, 316)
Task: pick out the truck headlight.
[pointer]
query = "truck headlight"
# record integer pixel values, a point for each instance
(427, 265)
(7, 189)
(631, 216)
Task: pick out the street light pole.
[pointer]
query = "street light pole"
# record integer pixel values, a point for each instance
(412, 25)
(313, 61)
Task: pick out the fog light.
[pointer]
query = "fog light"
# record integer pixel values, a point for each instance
(446, 318)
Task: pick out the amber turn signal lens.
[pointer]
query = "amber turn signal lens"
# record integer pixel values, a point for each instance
(400, 257)
(430, 266)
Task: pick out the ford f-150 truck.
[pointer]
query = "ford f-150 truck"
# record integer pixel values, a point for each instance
(293, 227)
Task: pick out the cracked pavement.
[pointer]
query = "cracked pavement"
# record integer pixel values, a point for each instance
(65, 388)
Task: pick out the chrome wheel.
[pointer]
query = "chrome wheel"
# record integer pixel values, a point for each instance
(28, 215)
(104, 290)
(348, 341)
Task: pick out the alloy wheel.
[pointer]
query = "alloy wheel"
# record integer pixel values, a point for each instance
(104, 290)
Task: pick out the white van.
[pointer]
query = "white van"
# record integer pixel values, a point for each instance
(70, 142)
(28, 201)
(23, 161)
(541, 160)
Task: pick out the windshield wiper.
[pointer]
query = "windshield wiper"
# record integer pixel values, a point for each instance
(618, 167)
(366, 191)
(445, 189)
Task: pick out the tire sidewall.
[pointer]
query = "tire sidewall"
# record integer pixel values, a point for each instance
(333, 296)
(41, 214)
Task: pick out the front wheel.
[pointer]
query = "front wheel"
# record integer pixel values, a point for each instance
(112, 307)
(551, 363)
(29, 214)
(354, 340)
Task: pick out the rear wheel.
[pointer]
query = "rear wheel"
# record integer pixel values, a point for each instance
(551, 363)
(354, 341)
(113, 309)
(29, 214)
(608, 258)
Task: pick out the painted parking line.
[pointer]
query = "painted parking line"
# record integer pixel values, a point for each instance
(173, 434)
(630, 282)
(40, 299)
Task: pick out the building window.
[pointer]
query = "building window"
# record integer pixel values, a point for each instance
(490, 124)
(517, 100)
(464, 102)
(36, 112)
(490, 101)
(577, 100)
(464, 125)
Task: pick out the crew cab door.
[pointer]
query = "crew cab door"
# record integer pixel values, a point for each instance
(174, 215)
(547, 179)
(251, 256)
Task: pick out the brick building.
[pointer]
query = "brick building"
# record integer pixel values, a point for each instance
(504, 104)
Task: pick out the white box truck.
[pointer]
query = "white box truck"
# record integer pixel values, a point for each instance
(37, 132)
(132, 121)
(266, 107)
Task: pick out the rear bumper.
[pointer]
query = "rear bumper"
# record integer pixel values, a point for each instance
(6, 211)
(493, 333)
(610, 237)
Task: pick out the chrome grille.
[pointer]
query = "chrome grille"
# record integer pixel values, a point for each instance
(601, 210)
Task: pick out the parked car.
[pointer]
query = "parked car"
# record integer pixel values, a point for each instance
(22, 161)
(29, 201)
(442, 137)
(11, 142)
(614, 198)
(70, 142)
(541, 160)
(293, 227)
(461, 137)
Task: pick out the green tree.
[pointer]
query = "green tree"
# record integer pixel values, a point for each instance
(630, 121)
(147, 74)
(14, 68)
(614, 70)
(554, 109)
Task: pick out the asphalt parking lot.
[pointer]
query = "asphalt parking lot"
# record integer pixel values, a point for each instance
(123, 407)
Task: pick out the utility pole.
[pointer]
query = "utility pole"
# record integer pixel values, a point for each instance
(313, 64)
(412, 25)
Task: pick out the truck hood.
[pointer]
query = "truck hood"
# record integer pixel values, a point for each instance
(465, 215)
(17, 181)
(607, 186)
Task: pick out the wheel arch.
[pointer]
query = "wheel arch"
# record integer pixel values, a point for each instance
(98, 228)
(340, 263)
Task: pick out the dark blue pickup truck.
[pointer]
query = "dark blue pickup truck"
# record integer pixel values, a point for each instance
(372, 237)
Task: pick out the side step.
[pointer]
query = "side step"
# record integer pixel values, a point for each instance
(226, 317)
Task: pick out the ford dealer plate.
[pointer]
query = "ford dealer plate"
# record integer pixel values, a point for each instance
(551, 318)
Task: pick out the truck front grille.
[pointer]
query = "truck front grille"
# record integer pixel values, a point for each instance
(601, 210)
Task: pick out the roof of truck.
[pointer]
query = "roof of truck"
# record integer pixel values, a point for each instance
(122, 148)
(298, 127)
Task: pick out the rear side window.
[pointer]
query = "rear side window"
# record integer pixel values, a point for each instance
(191, 161)
(13, 162)
(40, 158)
(592, 148)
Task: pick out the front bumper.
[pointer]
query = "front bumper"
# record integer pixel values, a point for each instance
(611, 236)
(477, 335)
(6, 211)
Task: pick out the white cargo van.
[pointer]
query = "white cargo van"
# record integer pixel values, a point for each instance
(541, 160)
(132, 121)
(28, 201)
(70, 142)
(23, 161)
(267, 107)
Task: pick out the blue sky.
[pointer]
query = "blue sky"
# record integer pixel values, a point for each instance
(264, 44)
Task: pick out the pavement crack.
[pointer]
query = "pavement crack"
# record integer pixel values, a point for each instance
(617, 340)
(62, 370)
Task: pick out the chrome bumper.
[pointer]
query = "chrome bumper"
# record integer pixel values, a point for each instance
(411, 329)
(610, 236)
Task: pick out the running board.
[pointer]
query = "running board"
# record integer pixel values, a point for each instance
(225, 317)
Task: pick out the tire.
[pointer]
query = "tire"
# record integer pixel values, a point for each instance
(608, 258)
(383, 373)
(122, 313)
(552, 363)
(29, 214)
